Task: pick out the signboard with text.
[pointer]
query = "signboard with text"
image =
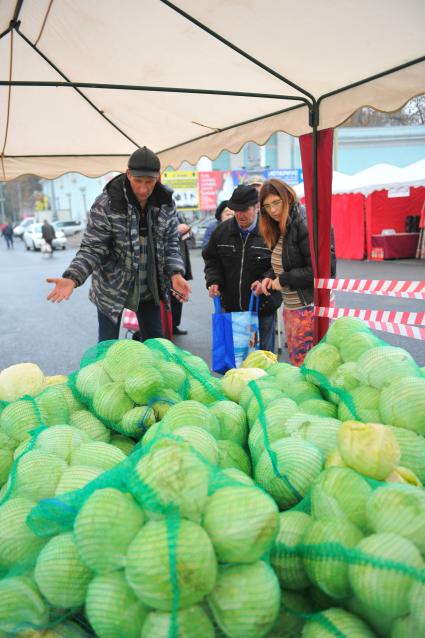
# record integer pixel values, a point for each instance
(185, 188)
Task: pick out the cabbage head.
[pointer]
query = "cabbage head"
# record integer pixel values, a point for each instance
(89, 379)
(143, 385)
(135, 422)
(110, 402)
(380, 366)
(149, 570)
(259, 359)
(231, 454)
(87, 422)
(352, 348)
(285, 559)
(343, 329)
(97, 454)
(232, 419)
(60, 440)
(241, 523)
(76, 477)
(19, 380)
(323, 359)
(192, 413)
(369, 448)
(363, 405)
(327, 623)
(201, 441)
(402, 404)
(190, 622)
(125, 357)
(37, 474)
(21, 605)
(236, 379)
(18, 543)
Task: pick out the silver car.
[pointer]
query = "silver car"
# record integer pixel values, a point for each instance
(69, 227)
(33, 238)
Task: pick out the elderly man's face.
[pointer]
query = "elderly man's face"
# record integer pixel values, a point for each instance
(246, 217)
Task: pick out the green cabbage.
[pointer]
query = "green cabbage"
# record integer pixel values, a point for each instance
(352, 348)
(97, 454)
(19, 380)
(60, 440)
(343, 329)
(346, 378)
(143, 385)
(340, 493)
(297, 463)
(21, 605)
(336, 622)
(232, 419)
(321, 431)
(110, 402)
(364, 402)
(287, 563)
(163, 402)
(37, 474)
(402, 404)
(300, 391)
(368, 448)
(201, 441)
(406, 627)
(275, 417)
(285, 374)
(329, 570)
(259, 359)
(257, 386)
(191, 622)
(53, 406)
(323, 359)
(412, 448)
(231, 454)
(192, 413)
(18, 544)
(173, 374)
(136, 420)
(87, 422)
(60, 574)
(380, 366)
(416, 606)
(123, 443)
(195, 363)
(6, 462)
(246, 600)
(236, 379)
(149, 569)
(293, 610)
(267, 395)
(399, 509)
(382, 578)
(18, 419)
(205, 392)
(76, 477)
(112, 607)
(241, 523)
(169, 477)
(104, 528)
(73, 403)
(125, 357)
(89, 379)
(318, 407)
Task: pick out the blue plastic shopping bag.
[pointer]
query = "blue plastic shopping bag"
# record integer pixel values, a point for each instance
(234, 335)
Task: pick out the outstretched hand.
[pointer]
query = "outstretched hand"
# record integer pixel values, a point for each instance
(63, 289)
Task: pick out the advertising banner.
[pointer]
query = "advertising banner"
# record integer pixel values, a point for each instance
(214, 187)
(292, 176)
(185, 188)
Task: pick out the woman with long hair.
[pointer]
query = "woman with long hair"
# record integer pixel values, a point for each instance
(283, 226)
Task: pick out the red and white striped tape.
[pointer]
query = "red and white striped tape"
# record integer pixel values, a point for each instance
(387, 287)
(385, 326)
(387, 316)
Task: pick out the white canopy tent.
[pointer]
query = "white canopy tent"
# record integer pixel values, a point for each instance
(82, 84)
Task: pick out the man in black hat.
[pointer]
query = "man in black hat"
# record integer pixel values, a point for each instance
(236, 258)
(131, 249)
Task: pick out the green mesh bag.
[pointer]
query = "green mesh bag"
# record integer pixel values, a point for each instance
(369, 380)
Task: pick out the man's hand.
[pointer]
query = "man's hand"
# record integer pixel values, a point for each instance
(266, 285)
(214, 290)
(63, 289)
(256, 288)
(183, 229)
(180, 285)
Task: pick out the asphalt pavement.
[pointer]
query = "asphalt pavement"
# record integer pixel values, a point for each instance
(55, 336)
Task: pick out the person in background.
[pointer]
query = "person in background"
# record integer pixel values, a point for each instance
(236, 259)
(222, 212)
(48, 234)
(131, 249)
(283, 226)
(176, 304)
(7, 232)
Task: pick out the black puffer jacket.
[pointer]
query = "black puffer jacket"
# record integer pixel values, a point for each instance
(234, 263)
(296, 257)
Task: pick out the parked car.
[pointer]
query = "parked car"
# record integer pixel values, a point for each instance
(199, 229)
(33, 238)
(22, 226)
(69, 227)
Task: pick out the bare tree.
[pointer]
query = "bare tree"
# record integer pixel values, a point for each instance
(412, 113)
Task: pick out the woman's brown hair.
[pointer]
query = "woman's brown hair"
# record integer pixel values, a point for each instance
(269, 228)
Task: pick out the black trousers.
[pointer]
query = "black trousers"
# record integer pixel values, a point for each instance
(148, 316)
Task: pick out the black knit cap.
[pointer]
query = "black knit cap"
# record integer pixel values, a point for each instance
(144, 163)
(243, 197)
(220, 208)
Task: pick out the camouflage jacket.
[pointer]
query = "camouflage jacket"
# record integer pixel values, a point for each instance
(110, 248)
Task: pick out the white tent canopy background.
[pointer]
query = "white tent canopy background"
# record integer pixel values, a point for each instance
(375, 178)
(284, 59)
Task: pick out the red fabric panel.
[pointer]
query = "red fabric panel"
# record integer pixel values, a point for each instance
(321, 267)
(391, 212)
(349, 226)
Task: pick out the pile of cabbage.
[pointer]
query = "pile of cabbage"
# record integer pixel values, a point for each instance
(162, 544)
(362, 545)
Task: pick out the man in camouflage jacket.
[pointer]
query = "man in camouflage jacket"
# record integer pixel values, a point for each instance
(131, 249)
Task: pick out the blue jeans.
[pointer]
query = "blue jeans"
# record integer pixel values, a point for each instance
(148, 316)
(267, 331)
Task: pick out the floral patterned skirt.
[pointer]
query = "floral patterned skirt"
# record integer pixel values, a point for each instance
(299, 333)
